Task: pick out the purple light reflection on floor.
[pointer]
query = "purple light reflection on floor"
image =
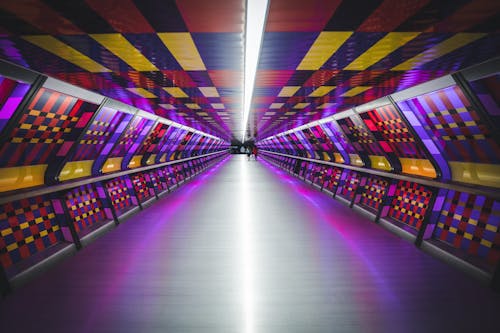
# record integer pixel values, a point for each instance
(172, 205)
(320, 209)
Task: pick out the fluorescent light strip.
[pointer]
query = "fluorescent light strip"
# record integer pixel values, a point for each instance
(256, 13)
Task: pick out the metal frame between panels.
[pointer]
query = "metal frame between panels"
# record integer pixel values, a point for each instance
(73, 240)
(490, 192)
(422, 236)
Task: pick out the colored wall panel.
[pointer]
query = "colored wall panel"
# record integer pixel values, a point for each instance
(85, 206)
(98, 134)
(343, 144)
(363, 141)
(27, 226)
(12, 93)
(47, 129)
(471, 223)
(154, 141)
(350, 184)
(119, 193)
(410, 203)
(131, 137)
(395, 138)
(487, 90)
(462, 133)
(332, 178)
(140, 182)
(373, 192)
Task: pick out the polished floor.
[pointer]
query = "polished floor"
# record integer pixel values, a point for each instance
(246, 248)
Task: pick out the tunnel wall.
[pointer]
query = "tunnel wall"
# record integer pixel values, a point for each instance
(425, 161)
(73, 161)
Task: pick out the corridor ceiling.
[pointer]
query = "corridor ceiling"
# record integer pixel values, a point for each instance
(184, 59)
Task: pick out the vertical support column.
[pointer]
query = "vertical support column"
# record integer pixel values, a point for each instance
(131, 188)
(430, 219)
(495, 280)
(108, 201)
(386, 201)
(357, 193)
(424, 230)
(65, 220)
(4, 282)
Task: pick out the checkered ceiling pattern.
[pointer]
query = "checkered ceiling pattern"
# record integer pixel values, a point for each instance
(184, 59)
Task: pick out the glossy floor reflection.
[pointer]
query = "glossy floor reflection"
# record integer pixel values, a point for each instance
(246, 248)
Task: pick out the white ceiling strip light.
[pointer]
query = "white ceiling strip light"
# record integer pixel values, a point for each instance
(256, 12)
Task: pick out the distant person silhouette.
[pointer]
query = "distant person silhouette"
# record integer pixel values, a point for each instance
(254, 152)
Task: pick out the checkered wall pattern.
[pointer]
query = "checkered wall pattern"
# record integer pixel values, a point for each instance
(457, 126)
(129, 137)
(155, 140)
(27, 226)
(97, 134)
(157, 180)
(362, 139)
(471, 223)
(373, 192)
(140, 182)
(487, 91)
(84, 206)
(410, 203)
(391, 132)
(119, 193)
(349, 184)
(332, 178)
(12, 93)
(48, 128)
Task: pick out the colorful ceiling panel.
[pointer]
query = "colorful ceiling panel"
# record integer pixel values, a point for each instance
(183, 60)
(164, 57)
(340, 54)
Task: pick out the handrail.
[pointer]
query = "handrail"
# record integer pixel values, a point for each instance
(486, 191)
(9, 196)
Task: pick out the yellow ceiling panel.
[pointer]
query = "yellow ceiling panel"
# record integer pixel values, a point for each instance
(301, 105)
(288, 91)
(142, 92)
(449, 45)
(321, 91)
(192, 106)
(175, 92)
(209, 91)
(327, 43)
(381, 49)
(218, 106)
(355, 91)
(167, 106)
(276, 105)
(66, 52)
(121, 47)
(182, 47)
(326, 105)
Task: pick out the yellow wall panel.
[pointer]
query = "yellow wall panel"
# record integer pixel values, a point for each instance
(135, 162)
(76, 169)
(356, 160)
(418, 167)
(22, 177)
(112, 164)
(476, 173)
(380, 162)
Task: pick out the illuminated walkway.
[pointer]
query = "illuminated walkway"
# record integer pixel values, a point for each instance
(248, 249)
